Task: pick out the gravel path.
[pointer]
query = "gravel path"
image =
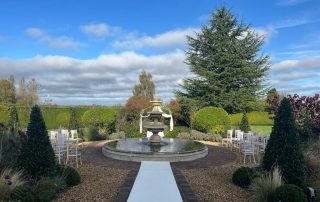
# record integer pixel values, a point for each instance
(98, 184)
(214, 184)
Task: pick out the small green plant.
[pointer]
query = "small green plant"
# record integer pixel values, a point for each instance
(263, 188)
(290, 193)
(244, 124)
(243, 176)
(71, 176)
(118, 135)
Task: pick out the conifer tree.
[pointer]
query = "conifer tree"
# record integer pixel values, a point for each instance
(13, 121)
(73, 123)
(224, 57)
(37, 157)
(244, 124)
(283, 148)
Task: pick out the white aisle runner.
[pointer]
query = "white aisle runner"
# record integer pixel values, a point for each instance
(155, 183)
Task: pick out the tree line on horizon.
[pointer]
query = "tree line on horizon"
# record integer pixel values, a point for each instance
(26, 94)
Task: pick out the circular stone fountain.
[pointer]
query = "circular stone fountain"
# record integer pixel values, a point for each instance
(155, 148)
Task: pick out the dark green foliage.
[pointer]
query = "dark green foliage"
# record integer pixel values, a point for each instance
(73, 123)
(284, 147)
(22, 193)
(225, 58)
(244, 176)
(37, 157)
(13, 121)
(255, 118)
(91, 133)
(211, 118)
(244, 124)
(290, 193)
(176, 130)
(71, 176)
(45, 189)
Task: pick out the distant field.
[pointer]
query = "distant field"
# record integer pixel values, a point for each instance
(265, 129)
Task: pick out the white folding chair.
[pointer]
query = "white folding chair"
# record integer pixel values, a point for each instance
(248, 149)
(60, 147)
(228, 140)
(73, 152)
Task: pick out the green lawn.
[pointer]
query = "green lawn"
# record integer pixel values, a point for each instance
(263, 129)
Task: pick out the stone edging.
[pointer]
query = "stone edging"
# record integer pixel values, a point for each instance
(127, 185)
(186, 192)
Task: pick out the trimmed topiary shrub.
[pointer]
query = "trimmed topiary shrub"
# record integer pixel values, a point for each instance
(244, 124)
(45, 189)
(73, 122)
(290, 193)
(284, 147)
(211, 118)
(71, 176)
(243, 176)
(37, 157)
(13, 121)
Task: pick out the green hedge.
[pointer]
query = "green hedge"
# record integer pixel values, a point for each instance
(255, 118)
(54, 116)
(211, 118)
(100, 116)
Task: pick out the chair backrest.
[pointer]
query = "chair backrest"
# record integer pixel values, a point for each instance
(247, 147)
(236, 132)
(61, 139)
(239, 136)
(74, 134)
(65, 132)
(229, 134)
(73, 147)
(53, 135)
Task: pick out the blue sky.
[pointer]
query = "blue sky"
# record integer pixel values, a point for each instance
(91, 52)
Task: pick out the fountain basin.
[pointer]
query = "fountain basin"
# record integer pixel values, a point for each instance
(170, 149)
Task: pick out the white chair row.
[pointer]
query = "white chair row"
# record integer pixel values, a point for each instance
(66, 148)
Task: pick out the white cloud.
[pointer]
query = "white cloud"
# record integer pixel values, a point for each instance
(99, 30)
(290, 2)
(304, 64)
(173, 38)
(61, 42)
(267, 32)
(106, 79)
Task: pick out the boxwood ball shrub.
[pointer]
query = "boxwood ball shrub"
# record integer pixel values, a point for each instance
(211, 118)
(290, 193)
(243, 176)
(71, 176)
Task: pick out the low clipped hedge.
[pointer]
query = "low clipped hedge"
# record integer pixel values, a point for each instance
(211, 119)
(255, 118)
(100, 116)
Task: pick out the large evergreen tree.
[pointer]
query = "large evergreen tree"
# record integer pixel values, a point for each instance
(37, 157)
(224, 56)
(145, 88)
(284, 148)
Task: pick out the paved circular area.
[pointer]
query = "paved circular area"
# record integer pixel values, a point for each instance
(217, 156)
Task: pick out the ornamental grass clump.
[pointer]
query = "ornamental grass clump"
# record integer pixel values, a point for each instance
(263, 188)
(9, 181)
